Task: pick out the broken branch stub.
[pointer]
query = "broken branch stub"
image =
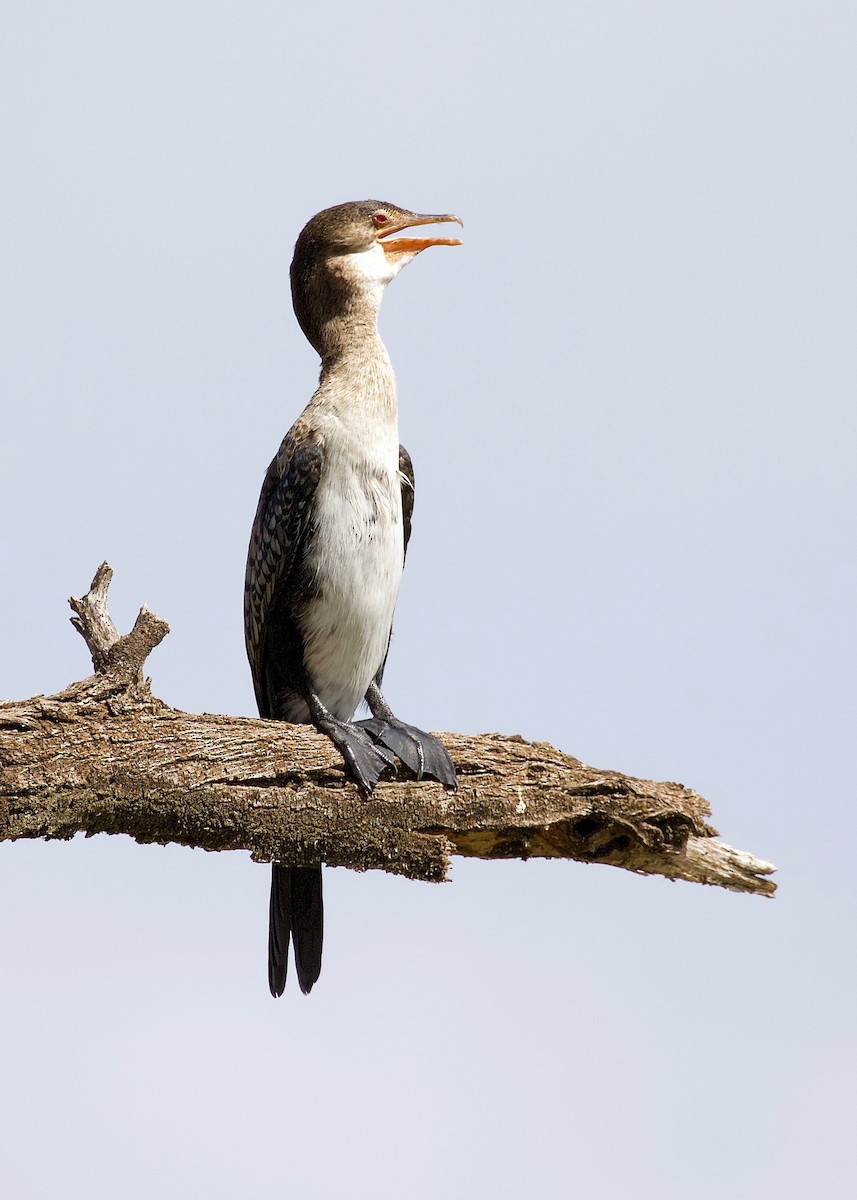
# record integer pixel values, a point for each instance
(121, 656)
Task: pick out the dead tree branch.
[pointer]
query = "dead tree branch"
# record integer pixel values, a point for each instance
(105, 756)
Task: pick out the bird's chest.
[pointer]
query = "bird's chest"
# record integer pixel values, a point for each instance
(358, 524)
(354, 569)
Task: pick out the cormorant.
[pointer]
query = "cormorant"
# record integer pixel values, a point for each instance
(329, 539)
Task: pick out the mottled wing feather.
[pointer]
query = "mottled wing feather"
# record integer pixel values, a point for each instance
(278, 530)
(406, 475)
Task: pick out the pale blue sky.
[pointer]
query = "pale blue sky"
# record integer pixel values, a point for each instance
(630, 402)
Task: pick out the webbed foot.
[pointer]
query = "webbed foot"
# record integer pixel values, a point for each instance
(426, 756)
(365, 761)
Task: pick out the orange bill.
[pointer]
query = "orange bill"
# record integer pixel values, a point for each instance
(415, 245)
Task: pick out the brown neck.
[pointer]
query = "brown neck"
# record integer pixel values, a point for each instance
(337, 311)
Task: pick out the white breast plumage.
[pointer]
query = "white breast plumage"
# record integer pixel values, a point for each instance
(356, 567)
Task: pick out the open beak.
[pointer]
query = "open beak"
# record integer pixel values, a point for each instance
(412, 246)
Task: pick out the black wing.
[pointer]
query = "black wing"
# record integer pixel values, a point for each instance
(275, 544)
(406, 475)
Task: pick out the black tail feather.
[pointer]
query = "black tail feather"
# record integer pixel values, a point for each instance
(307, 924)
(279, 928)
(296, 910)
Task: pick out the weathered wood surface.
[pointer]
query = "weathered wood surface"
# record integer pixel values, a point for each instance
(105, 756)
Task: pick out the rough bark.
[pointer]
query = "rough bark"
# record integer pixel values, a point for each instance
(105, 756)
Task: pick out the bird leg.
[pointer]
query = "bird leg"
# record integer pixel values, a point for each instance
(424, 754)
(364, 760)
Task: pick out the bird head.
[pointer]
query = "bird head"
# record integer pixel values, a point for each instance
(360, 226)
(349, 253)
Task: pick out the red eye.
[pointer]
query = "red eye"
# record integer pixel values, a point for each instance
(380, 218)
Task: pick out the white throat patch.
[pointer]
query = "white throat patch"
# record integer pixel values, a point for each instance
(372, 268)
